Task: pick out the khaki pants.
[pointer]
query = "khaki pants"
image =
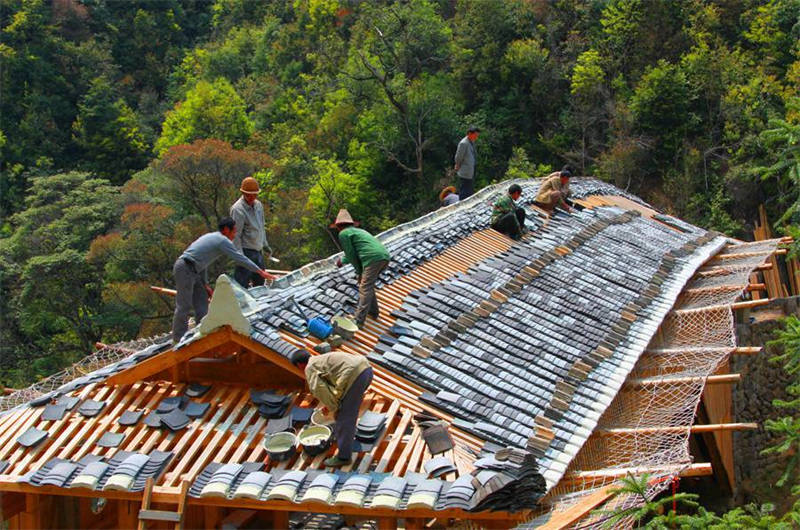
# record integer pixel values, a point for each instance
(367, 302)
(553, 200)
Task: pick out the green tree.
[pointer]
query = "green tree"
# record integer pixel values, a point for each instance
(51, 295)
(210, 110)
(107, 132)
(203, 177)
(783, 139)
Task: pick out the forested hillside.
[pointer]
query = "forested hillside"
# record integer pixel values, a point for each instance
(126, 127)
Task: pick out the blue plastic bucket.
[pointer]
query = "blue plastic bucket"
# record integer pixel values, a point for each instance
(319, 327)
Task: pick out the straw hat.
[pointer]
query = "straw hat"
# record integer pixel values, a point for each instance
(343, 217)
(447, 191)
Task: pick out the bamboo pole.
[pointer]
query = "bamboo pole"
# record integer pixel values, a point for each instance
(710, 380)
(694, 429)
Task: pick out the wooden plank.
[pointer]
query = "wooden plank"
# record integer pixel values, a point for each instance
(266, 353)
(716, 407)
(397, 437)
(578, 510)
(366, 460)
(170, 358)
(127, 514)
(693, 470)
(11, 504)
(230, 408)
(236, 519)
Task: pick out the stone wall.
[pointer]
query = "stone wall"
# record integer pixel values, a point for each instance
(762, 382)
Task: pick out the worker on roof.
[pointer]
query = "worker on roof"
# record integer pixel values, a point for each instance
(465, 159)
(368, 257)
(339, 381)
(191, 274)
(251, 237)
(507, 217)
(449, 196)
(555, 191)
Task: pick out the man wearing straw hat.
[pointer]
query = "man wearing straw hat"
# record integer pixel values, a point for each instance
(368, 257)
(251, 237)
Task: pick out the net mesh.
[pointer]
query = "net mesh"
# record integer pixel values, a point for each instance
(646, 428)
(104, 356)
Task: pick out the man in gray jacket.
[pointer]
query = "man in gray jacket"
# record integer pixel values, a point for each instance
(191, 274)
(251, 237)
(465, 163)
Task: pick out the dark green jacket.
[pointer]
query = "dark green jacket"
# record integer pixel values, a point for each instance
(361, 248)
(502, 206)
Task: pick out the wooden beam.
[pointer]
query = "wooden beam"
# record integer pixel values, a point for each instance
(747, 304)
(235, 520)
(170, 358)
(694, 429)
(711, 380)
(578, 510)
(11, 504)
(693, 470)
(740, 255)
(748, 350)
(268, 354)
(715, 448)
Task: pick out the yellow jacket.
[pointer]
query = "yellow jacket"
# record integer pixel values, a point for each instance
(331, 375)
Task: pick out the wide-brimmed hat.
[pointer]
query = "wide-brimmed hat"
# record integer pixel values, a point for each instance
(447, 191)
(250, 185)
(343, 217)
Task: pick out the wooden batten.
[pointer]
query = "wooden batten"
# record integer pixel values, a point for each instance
(693, 470)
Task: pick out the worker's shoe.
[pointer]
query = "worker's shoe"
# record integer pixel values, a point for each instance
(336, 461)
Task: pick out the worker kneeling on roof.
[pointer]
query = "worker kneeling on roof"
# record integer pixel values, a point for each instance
(339, 381)
(507, 217)
(368, 257)
(555, 191)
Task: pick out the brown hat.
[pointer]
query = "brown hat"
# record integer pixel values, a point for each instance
(343, 218)
(249, 185)
(447, 191)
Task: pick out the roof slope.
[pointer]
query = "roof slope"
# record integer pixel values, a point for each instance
(523, 344)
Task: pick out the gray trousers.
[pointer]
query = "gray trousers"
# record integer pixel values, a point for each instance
(245, 277)
(191, 295)
(367, 301)
(347, 417)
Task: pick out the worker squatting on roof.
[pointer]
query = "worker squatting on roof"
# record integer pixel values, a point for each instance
(191, 279)
(555, 191)
(509, 218)
(339, 381)
(251, 236)
(368, 257)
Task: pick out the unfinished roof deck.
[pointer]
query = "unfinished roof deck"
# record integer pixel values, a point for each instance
(522, 346)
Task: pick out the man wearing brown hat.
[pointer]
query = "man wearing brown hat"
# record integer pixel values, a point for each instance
(251, 237)
(449, 196)
(368, 257)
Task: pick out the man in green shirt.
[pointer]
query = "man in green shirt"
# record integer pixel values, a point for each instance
(368, 257)
(507, 217)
